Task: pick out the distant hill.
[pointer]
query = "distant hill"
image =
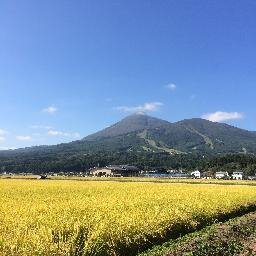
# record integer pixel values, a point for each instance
(137, 139)
(187, 136)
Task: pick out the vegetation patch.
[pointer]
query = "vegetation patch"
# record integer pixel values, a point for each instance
(234, 237)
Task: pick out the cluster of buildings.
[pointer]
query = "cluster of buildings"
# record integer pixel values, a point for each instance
(133, 171)
(237, 175)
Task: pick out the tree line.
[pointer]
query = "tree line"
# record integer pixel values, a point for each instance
(47, 161)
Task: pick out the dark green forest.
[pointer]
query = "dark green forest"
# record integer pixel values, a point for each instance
(81, 162)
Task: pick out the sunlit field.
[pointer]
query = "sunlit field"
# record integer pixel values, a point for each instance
(68, 217)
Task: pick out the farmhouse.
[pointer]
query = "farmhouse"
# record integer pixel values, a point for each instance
(196, 174)
(221, 175)
(207, 175)
(116, 171)
(42, 177)
(237, 175)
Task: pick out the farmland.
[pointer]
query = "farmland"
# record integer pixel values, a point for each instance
(69, 217)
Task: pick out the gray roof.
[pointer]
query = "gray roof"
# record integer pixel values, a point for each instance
(123, 168)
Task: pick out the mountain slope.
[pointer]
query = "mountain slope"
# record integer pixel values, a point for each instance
(221, 137)
(132, 123)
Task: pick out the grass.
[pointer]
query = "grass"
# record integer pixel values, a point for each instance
(234, 237)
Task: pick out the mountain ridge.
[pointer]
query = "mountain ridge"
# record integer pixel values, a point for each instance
(137, 139)
(187, 135)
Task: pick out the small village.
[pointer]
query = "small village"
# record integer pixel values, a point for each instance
(133, 171)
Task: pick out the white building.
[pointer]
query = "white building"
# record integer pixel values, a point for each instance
(196, 174)
(237, 175)
(102, 172)
(116, 171)
(221, 175)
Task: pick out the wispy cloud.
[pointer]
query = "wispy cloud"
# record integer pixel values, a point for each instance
(43, 127)
(220, 116)
(56, 133)
(2, 135)
(64, 134)
(3, 132)
(145, 108)
(171, 86)
(24, 137)
(50, 110)
(7, 148)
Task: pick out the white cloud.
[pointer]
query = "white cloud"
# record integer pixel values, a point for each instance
(63, 134)
(23, 137)
(50, 110)
(76, 135)
(220, 116)
(2, 135)
(44, 127)
(146, 107)
(55, 133)
(171, 86)
(3, 132)
(7, 148)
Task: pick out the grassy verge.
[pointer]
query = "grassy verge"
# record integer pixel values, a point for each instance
(234, 237)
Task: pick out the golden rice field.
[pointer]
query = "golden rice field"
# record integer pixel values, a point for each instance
(65, 217)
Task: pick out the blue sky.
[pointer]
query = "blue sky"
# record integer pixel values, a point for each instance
(70, 68)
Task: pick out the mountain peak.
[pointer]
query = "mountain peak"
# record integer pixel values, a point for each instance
(132, 123)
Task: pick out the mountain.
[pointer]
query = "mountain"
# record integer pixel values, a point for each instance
(203, 136)
(137, 139)
(192, 135)
(220, 137)
(132, 123)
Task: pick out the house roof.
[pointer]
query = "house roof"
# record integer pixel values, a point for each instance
(123, 168)
(221, 172)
